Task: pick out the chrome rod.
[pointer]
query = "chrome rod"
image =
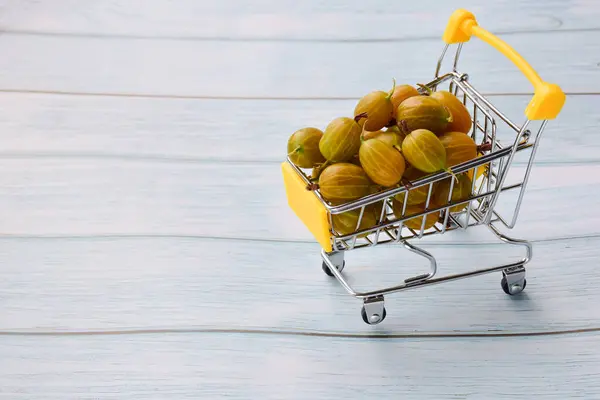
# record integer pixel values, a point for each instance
(417, 283)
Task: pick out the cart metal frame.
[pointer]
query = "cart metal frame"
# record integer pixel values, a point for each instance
(490, 180)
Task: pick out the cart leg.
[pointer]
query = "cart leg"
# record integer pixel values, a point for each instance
(513, 278)
(432, 264)
(373, 310)
(336, 258)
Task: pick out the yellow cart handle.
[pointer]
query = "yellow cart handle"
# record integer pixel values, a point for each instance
(548, 98)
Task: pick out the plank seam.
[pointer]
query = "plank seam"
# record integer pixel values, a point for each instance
(424, 335)
(258, 39)
(157, 158)
(232, 97)
(8, 236)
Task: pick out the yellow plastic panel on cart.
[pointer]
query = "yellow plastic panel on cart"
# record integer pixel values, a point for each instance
(548, 98)
(306, 206)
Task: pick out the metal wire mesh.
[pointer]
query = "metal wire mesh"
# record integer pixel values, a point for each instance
(489, 172)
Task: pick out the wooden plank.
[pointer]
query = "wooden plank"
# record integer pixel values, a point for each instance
(56, 196)
(287, 20)
(191, 366)
(203, 130)
(213, 68)
(97, 234)
(184, 283)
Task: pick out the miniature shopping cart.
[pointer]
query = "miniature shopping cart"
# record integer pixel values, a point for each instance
(489, 174)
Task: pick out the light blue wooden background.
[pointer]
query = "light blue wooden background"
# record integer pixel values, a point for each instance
(146, 247)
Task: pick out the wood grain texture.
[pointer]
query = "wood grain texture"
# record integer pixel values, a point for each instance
(286, 20)
(203, 130)
(281, 68)
(258, 367)
(121, 216)
(185, 283)
(59, 197)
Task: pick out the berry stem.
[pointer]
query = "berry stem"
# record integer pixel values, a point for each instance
(429, 91)
(391, 92)
(406, 183)
(448, 170)
(359, 116)
(297, 149)
(487, 146)
(318, 169)
(362, 133)
(313, 186)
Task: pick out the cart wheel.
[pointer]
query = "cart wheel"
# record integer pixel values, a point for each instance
(516, 288)
(374, 320)
(328, 271)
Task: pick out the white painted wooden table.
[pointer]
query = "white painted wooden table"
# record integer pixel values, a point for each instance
(142, 249)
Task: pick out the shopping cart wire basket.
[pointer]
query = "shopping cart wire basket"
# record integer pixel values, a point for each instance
(488, 171)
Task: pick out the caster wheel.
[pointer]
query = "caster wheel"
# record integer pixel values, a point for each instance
(517, 288)
(328, 271)
(375, 319)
